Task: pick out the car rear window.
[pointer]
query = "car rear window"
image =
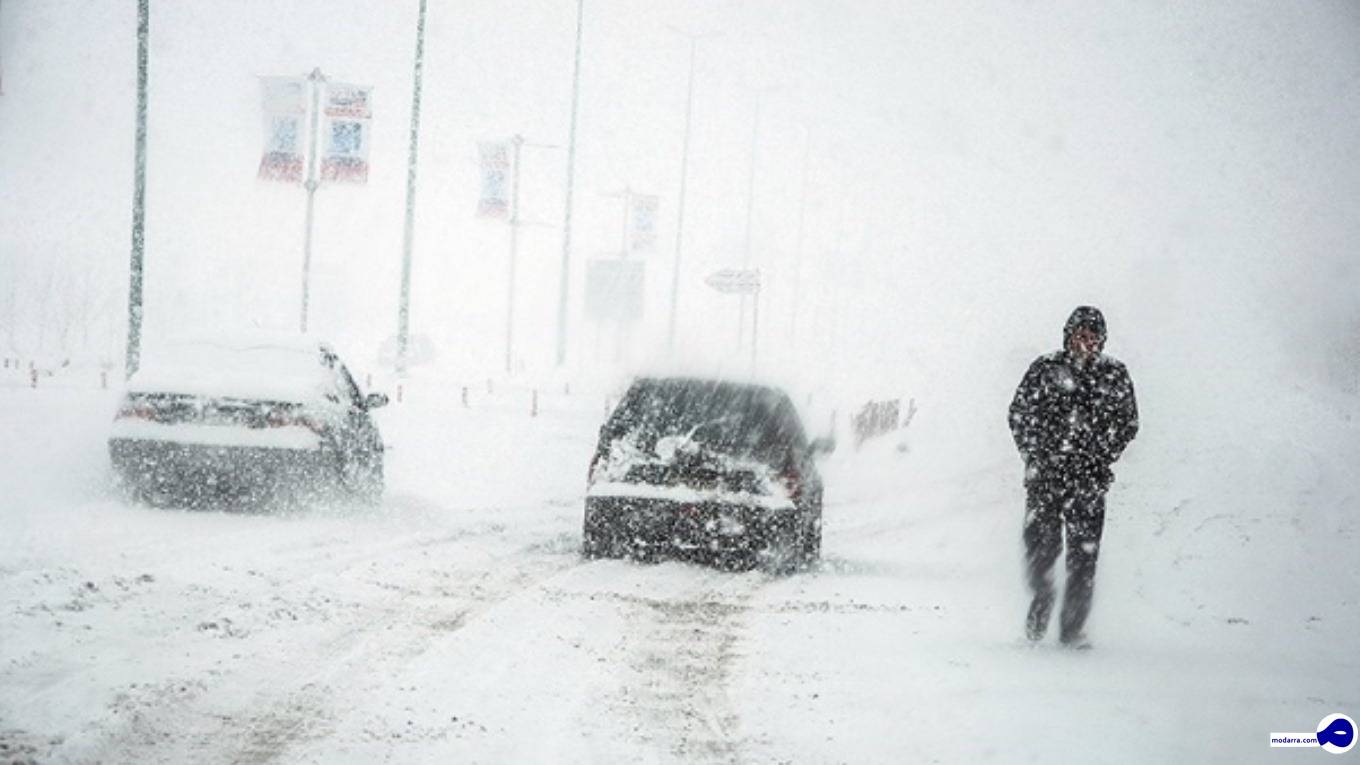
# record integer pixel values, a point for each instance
(740, 420)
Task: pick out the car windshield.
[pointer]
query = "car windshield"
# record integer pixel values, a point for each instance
(739, 420)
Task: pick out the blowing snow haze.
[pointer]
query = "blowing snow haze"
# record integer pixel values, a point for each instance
(927, 190)
(973, 171)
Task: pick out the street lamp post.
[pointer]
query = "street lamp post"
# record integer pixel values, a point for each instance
(680, 211)
(404, 305)
(517, 142)
(626, 197)
(317, 80)
(134, 345)
(750, 210)
(2, 69)
(565, 274)
(755, 326)
(798, 249)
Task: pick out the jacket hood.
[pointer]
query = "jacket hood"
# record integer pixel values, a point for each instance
(1084, 317)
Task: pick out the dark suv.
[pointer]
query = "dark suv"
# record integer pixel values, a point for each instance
(705, 468)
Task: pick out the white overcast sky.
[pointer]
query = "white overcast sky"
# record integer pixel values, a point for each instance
(977, 168)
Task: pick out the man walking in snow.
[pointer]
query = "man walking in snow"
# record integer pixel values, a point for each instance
(1071, 417)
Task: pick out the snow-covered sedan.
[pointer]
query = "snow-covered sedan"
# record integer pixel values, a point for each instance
(714, 469)
(252, 418)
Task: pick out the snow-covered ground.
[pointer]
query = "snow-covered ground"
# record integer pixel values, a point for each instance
(458, 623)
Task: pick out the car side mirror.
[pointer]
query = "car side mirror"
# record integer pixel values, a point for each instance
(375, 400)
(821, 446)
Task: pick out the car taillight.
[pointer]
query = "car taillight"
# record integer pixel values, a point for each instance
(284, 417)
(793, 481)
(137, 411)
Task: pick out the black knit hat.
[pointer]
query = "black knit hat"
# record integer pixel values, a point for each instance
(1084, 317)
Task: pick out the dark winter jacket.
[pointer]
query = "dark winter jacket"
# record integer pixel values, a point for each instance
(1072, 417)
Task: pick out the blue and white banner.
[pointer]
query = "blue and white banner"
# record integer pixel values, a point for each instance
(494, 162)
(642, 220)
(285, 106)
(345, 138)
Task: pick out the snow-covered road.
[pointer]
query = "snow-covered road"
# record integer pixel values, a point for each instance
(458, 623)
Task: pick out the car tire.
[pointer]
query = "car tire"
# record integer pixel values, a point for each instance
(781, 551)
(134, 491)
(810, 538)
(740, 560)
(811, 547)
(593, 547)
(360, 477)
(371, 484)
(147, 491)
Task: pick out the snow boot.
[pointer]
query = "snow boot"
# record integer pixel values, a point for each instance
(1076, 641)
(1036, 624)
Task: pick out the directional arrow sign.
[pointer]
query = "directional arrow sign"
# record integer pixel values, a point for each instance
(735, 281)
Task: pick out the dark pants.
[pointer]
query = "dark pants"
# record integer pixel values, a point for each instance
(1075, 502)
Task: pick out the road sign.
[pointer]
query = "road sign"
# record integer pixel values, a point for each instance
(735, 281)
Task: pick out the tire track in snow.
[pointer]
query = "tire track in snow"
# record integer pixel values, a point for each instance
(364, 643)
(291, 720)
(678, 662)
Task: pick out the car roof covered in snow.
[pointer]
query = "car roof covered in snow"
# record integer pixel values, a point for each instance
(258, 366)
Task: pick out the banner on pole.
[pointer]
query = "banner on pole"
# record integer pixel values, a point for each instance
(285, 105)
(495, 167)
(642, 231)
(348, 110)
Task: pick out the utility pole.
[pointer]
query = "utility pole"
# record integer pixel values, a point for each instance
(680, 213)
(755, 326)
(571, 183)
(317, 81)
(750, 208)
(134, 344)
(517, 142)
(404, 305)
(625, 196)
(798, 248)
(2, 68)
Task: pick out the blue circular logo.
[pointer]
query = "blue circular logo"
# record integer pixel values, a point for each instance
(1336, 733)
